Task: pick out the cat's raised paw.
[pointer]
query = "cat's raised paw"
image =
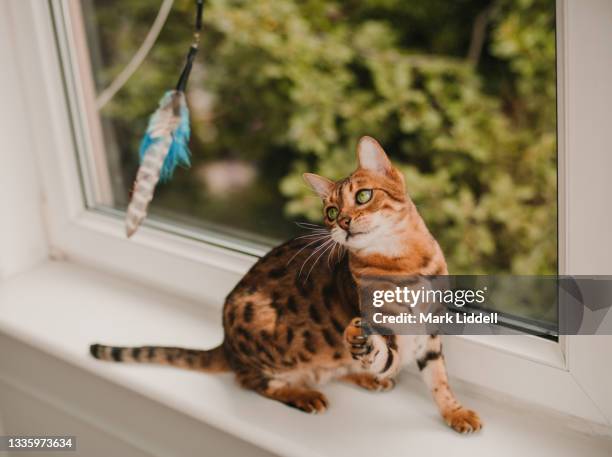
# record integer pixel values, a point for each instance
(370, 382)
(359, 344)
(463, 420)
(383, 385)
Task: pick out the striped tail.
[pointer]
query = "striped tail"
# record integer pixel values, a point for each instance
(213, 360)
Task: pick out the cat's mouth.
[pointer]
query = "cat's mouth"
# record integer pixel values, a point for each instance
(350, 234)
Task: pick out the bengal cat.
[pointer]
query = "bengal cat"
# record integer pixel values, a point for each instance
(292, 321)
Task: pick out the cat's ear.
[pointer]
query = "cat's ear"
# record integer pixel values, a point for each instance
(322, 186)
(371, 156)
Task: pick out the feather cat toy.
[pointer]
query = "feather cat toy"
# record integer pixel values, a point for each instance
(165, 143)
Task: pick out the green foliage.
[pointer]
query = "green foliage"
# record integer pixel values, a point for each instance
(295, 83)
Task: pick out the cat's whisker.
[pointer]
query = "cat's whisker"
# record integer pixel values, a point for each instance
(319, 232)
(331, 253)
(316, 229)
(322, 254)
(339, 253)
(308, 225)
(314, 252)
(322, 237)
(317, 259)
(309, 235)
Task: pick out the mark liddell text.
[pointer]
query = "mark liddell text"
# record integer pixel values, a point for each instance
(431, 318)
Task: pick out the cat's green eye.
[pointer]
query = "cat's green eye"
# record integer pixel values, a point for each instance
(363, 196)
(332, 213)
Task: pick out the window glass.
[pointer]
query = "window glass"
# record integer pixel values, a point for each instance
(462, 95)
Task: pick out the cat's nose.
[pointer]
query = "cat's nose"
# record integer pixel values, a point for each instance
(344, 222)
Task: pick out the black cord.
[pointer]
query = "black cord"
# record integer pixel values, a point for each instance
(200, 10)
(193, 49)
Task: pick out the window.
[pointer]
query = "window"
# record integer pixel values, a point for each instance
(49, 51)
(462, 95)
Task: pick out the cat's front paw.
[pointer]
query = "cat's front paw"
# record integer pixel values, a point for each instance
(359, 344)
(463, 420)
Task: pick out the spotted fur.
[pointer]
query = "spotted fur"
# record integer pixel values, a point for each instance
(292, 322)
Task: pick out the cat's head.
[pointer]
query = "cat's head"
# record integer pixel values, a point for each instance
(366, 211)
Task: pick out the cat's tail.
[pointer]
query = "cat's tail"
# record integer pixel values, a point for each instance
(213, 360)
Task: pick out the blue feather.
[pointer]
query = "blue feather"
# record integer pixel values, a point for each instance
(178, 153)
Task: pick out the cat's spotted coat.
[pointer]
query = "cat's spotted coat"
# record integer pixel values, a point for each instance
(291, 322)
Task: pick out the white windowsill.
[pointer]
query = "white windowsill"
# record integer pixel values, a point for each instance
(60, 308)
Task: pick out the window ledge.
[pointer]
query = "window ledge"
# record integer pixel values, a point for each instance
(58, 309)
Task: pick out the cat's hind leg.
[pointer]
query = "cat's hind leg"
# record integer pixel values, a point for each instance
(296, 396)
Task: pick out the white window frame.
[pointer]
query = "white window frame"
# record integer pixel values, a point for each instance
(556, 375)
